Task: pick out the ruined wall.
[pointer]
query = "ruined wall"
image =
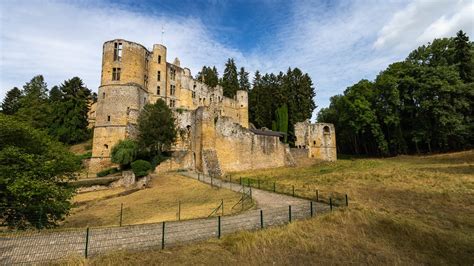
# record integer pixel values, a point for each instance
(227, 146)
(318, 139)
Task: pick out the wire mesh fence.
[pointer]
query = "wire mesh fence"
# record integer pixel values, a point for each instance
(224, 217)
(42, 246)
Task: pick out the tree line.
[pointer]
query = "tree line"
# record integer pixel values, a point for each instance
(276, 102)
(422, 104)
(61, 111)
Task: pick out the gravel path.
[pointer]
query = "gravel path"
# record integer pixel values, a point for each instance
(36, 247)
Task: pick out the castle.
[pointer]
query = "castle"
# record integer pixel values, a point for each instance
(215, 138)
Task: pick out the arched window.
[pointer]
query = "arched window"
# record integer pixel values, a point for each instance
(326, 130)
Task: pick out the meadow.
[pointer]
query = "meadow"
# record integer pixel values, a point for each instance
(403, 210)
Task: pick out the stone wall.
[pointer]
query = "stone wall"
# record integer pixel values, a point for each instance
(318, 139)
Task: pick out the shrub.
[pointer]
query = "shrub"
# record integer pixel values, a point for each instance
(141, 168)
(124, 152)
(86, 155)
(108, 171)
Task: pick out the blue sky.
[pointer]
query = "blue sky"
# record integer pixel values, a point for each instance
(336, 42)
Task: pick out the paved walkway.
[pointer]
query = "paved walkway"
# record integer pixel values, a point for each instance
(272, 209)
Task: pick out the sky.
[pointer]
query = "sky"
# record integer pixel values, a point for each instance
(336, 42)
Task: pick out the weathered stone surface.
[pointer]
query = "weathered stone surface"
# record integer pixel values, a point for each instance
(319, 140)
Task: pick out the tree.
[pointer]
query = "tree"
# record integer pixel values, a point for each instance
(244, 83)
(230, 82)
(124, 153)
(34, 170)
(11, 103)
(463, 56)
(209, 76)
(34, 105)
(70, 122)
(156, 128)
(281, 121)
(55, 94)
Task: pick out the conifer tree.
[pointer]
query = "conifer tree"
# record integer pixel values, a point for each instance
(230, 82)
(244, 83)
(11, 103)
(463, 56)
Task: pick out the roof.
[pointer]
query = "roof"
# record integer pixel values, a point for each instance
(267, 132)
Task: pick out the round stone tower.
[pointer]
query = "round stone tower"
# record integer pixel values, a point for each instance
(122, 93)
(157, 74)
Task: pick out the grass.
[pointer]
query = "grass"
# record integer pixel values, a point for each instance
(157, 203)
(403, 210)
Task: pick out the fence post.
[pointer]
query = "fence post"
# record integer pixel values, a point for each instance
(179, 210)
(330, 203)
(293, 187)
(311, 208)
(251, 200)
(218, 227)
(121, 213)
(163, 236)
(274, 186)
(261, 219)
(87, 243)
(230, 179)
(347, 201)
(199, 177)
(222, 205)
(248, 182)
(317, 195)
(212, 185)
(289, 213)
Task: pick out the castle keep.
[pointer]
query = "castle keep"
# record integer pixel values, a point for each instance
(215, 136)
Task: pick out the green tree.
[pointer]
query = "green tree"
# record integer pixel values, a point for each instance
(11, 103)
(124, 153)
(463, 56)
(34, 170)
(281, 121)
(34, 105)
(209, 76)
(156, 128)
(230, 82)
(70, 122)
(244, 83)
(55, 94)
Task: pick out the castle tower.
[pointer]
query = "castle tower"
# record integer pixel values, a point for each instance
(157, 74)
(122, 93)
(242, 99)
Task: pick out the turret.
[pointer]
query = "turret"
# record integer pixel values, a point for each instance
(242, 100)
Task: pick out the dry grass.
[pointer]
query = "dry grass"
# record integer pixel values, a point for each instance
(404, 210)
(81, 148)
(155, 204)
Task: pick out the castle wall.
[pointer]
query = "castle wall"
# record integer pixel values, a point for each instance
(318, 139)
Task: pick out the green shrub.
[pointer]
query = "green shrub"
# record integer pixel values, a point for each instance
(86, 155)
(124, 152)
(141, 168)
(108, 171)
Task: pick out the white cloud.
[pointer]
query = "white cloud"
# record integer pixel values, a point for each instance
(421, 21)
(336, 43)
(62, 40)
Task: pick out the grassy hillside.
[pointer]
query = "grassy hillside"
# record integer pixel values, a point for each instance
(155, 204)
(403, 210)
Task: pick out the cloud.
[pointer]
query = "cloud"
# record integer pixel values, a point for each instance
(422, 21)
(61, 40)
(336, 42)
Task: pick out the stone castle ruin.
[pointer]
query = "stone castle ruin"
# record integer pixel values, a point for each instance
(214, 138)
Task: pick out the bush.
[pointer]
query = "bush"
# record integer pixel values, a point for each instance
(86, 155)
(141, 168)
(124, 152)
(108, 171)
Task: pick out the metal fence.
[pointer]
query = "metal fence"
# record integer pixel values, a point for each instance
(32, 247)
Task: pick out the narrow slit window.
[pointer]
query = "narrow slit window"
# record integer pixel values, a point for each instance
(159, 59)
(108, 118)
(158, 77)
(103, 95)
(158, 90)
